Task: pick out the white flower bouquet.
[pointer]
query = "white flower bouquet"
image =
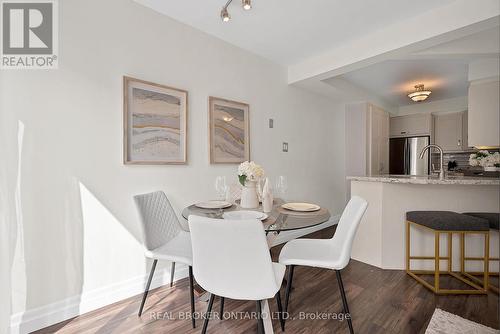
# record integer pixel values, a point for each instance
(485, 159)
(249, 171)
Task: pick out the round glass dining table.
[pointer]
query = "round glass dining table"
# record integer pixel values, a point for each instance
(279, 219)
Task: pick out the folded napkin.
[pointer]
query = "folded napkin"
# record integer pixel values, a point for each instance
(267, 197)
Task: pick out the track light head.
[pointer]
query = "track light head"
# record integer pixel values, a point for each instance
(224, 14)
(247, 4)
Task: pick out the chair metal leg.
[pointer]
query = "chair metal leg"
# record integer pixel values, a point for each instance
(344, 301)
(221, 307)
(280, 311)
(260, 321)
(207, 315)
(172, 272)
(191, 291)
(153, 267)
(289, 286)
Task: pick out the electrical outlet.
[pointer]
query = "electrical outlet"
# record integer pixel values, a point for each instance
(285, 147)
(271, 123)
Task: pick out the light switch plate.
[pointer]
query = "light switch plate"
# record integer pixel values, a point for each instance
(271, 123)
(285, 147)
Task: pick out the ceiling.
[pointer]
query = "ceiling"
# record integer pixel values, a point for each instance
(481, 44)
(343, 49)
(290, 31)
(392, 80)
(442, 68)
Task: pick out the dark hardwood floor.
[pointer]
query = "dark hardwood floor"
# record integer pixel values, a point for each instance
(380, 301)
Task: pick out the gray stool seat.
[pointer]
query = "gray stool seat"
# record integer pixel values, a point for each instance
(491, 217)
(447, 221)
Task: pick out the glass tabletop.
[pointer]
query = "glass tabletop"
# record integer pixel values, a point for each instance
(279, 219)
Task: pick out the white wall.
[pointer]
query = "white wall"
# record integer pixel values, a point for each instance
(5, 231)
(484, 103)
(484, 69)
(456, 104)
(73, 227)
(355, 141)
(484, 119)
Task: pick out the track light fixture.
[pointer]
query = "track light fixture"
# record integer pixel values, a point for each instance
(247, 4)
(224, 13)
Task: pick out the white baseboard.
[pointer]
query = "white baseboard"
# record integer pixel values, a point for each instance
(41, 317)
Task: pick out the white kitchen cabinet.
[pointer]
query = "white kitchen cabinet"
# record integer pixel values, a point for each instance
(449, 131)
(377, 141)
(411, 125)
(367, 138)
(483, 118)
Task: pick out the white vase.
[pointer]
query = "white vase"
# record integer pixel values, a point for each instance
(249, 198)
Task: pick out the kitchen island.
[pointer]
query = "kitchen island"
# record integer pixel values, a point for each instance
(380, 240)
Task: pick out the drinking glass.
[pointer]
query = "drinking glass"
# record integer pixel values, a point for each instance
(221, 187)
(281, 186)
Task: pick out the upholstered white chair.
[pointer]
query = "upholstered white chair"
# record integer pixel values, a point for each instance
(333, 253)
(231, 260)
(233, 192)
(163, 238)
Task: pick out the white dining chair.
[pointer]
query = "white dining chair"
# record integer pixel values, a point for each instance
(233, 192)
(231, 260)
(163, 238)
(333, 253)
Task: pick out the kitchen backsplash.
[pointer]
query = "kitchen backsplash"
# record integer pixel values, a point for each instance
(462, 160)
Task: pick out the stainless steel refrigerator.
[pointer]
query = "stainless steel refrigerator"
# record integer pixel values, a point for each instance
(404, 156)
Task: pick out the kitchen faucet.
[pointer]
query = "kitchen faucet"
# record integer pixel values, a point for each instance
(428, 147)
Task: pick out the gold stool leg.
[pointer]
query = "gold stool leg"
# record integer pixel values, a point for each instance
(486, 260)
(450, 251)
(407, 246)
(436, 261)
(476, 288)
(466, 276)
(462, 252)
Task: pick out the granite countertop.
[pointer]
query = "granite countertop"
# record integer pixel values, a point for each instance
(426, 179)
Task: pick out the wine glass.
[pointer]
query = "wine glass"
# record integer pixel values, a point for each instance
(281, 186)
(221, 187)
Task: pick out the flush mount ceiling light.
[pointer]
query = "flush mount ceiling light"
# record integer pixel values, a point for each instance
(420, 94)
(224, 14)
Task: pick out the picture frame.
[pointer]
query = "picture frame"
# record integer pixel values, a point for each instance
(154, 123)
(229, 131)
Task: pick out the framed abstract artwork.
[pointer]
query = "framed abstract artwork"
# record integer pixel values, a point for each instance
(229, 137)
(154, 123)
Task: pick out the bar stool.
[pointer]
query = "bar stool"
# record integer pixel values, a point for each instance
(494, 221)
(446, 222)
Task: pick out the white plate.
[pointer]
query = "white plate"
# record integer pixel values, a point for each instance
(302, 207)
(213, 205)
(241, 215)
